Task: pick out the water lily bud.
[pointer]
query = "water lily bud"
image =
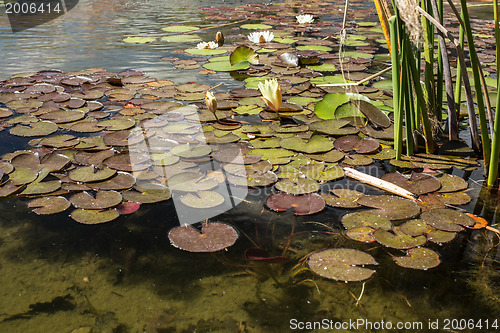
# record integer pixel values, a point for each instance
(219, 38)
(211, 102)
(271, 93)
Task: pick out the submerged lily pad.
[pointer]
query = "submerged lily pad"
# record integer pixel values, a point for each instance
(49, 205)
(341, 264)
(419, 258)
(213, 237)
(302, 204)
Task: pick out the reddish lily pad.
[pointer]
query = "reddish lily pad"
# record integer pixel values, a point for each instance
(418, 183)
(49, 205)
(354, 142)
(342, 264)
(302, 204)
(214, 236)
(419, 258)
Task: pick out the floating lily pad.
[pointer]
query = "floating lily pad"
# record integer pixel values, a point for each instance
(322, 172)
(453, 198)
(21, 176)
(40, 128)
(298, 186)
(139, 40)
(390, 207)
(447, 219)
(373, 113)
(333, 127)
(274, 155)
(120, 181)
(150, 193)
(342, 264)
(202, 199)
(102, 200)
(181, 38)
(127, 162)
(365, 219)
(225, 66)
(187, 151)
(302, 204)
(418, 183)
(314, 48)
(361, 234)
(415, 227)
(316, 144)
(243, 54)
(398, 239)
(214, 236)
(256, 26)
(49, 205)
(332, 156)
(325, 109)
(8, 188)
(191, 182)
(180, 28)
(90, 174)
(451, 183)
(342, 198)
(354, 142)
(205, 52)
(440, 236)
(419, 258)
(39, 187)
(91, 216)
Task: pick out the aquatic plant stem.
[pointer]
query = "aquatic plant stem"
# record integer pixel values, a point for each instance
(495, 149)
(440, 68)
(398, 119)
(430, 84)
(384, 21)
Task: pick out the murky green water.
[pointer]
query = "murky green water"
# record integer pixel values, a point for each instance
(60, 276)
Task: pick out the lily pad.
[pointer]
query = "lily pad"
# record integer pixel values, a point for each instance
(373, 113)
(298, 186)
(419, 258)
(243, 54)
(225, 66)
(139, 40)
(316, 144)
(361, 234)
(21, 176)
(205, 52)
(187, 151)
(120, 181)
(447, 219)
(40, 128)
(150, 193)
(451, 183)
(256, 26)
(418, 183)
(49, 205)
(342, 198)
(90, 174)
(325, 109)
(202, 199)
(354, 142)
(302, 204)
(181, 39)
(180, 28)
(214, 237)
(390, 207)
(342, 264)
(322, 172)
(191, 182)
(333, 127)
(102, 200)
(365, 219)
(398, 239)
(91, 216)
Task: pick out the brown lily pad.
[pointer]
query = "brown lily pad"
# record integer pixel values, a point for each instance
(297, 186)
(418, 183)
(342, 198)
(353, 142)
(302, 204)
(418, 258)
(390, 207)
(102, 200)
(91, 174)
(447, 219)
(365, 219)
(213, 237)
(92, 216)
(147, 193)
(49, 205)
(398, 239)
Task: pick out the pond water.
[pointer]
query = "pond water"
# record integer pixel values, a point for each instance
(57, 275)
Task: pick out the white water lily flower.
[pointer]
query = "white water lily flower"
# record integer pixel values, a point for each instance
(205, 45)
(305, 18)
(271, 93)
(261, 37)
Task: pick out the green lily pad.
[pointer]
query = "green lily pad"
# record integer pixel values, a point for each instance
(419, 258)
(213, 237)
(447, 219)
(418, 183)
(180, 28)
(332, 156)
(149, 193)
(181, 38)
(256, 26)
(451, 183)
(21, 176)
(373, 113)
(187, 151)
(314, 48)
(365, 219)
(39, 187)
(102, 200)
(90, 174)
(415, 227)
(342, 198)
(191, 182)
(453, 198)
(316, 144)
(243, 54)
(323, 68)
(205, 52)
(390, 207)
(49, 205)
(139, 40)
(398, 239)
(325, 109)
(87, 216)
(40, 128)
(120, 181)
(342, 264)
(333, 127)
(357, 55)
(297, 186)
(322, 172)
(361, 234)
(202, 199)
(306, 204)
(225, 66)
(274, 155)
